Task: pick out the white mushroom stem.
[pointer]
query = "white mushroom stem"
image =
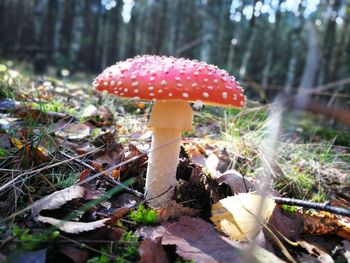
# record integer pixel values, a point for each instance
(168, 120)
(162, 164)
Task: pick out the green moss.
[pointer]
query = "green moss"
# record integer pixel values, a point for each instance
(30, 241)
(143, 216)
(3, 153)
(289, 208)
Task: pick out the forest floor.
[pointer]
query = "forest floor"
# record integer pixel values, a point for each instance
(73, 163)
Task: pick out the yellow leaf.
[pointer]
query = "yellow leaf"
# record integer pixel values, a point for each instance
(242, 216)
(17, 143)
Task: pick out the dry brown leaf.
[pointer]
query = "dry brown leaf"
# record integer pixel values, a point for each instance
(71, 226)
(57, 199)
(290, 225)
(320, 223)
(198, 240)
(152, 251)
(174, 210)
(237, 182)
(241, 217)
(74, 131)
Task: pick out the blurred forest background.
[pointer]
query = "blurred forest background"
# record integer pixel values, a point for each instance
(272, 46)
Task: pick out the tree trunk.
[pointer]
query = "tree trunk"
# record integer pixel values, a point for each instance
(175, 27)
(271, 49)
(329, 40)
(311, 65)
(113, 21)
(48, 34)
(237, 35)
(66, 32)
(207, 32)
(339, 54)
(249, 47)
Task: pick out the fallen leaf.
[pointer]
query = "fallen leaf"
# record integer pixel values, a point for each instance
(237, 182)
(97, 116)
(74, 131)
(290, 225)
(174, 210)
(57, 199)
(321, 223)
(71, 226)
(242, 216)
(152, 251)
(16, 143)
(198, 240)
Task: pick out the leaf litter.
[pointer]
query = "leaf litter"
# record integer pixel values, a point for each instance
(210, 170)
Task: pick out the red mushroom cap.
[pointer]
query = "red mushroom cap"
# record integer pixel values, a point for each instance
(168, 78)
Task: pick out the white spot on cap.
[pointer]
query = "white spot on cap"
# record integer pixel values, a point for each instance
(170, 94)
(234, 96)
(120, 83)
(188, 77)
(126, 90)
(151, 94)
(112, 83)
(160, 91)
(224, 95)
(210, 87)
(177, 78)
(194, 84)
(205, 80)
(133, 77)
(182, 71)
(105, 83)
(196, 73)
(136, 91)
(134, 84)
(216, 81)
(205, 94)
(185, 95)
(163, 82)
(151, 88)
(152, 78)
(179, 85)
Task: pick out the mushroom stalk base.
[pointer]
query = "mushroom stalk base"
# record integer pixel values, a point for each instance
(162, 164)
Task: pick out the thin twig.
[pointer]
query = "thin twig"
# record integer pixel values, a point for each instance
(318, 206)
(109, 179)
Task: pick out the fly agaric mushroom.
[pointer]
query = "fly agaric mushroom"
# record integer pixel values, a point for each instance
(171, 83)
